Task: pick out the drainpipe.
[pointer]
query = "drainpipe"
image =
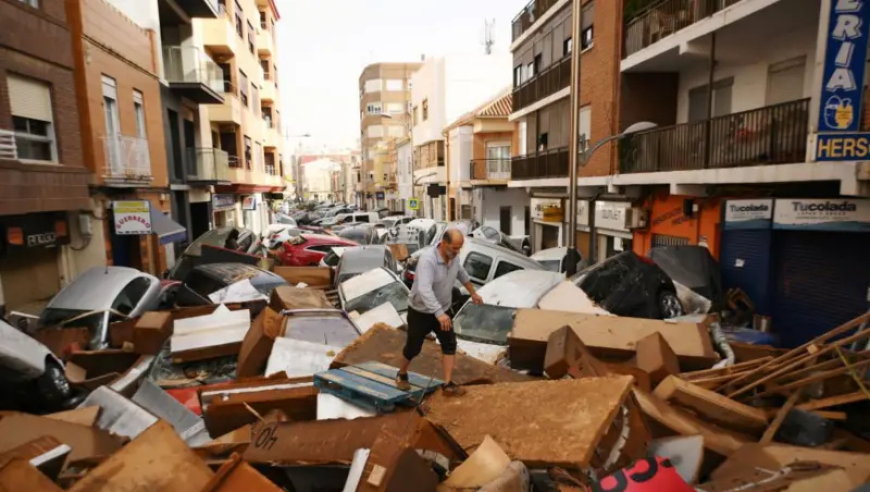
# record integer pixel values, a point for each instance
(708, 130)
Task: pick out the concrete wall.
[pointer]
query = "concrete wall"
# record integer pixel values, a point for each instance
(460, 154)
(492, 199)
(428, 84)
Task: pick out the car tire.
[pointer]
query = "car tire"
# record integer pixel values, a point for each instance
(669, 305)
(53, 385)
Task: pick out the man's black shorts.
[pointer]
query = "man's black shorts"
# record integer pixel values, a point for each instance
(420, 325)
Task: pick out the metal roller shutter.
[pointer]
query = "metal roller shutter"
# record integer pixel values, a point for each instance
(821, 281)
(29, 98)
(745, 264)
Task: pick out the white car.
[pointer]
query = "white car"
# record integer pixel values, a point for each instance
(277, 234)
(373, 288)
(25, 361)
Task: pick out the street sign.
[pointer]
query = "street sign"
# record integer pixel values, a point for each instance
(413, 204)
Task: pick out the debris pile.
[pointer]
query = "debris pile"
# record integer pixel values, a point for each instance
(292, 394)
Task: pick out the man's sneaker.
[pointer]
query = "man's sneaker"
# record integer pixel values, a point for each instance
(402, 382)
(452, 389)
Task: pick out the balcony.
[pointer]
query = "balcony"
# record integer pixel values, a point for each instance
(551, 163)
(193, 74)
(490, 171)
(128, 159)
(8, 147)
(527, 17)
(770, 135)
(207, 166)
(555, 78)
(271, 138)
(219, 36)
(231, 109)
(267, 91)
(202, 9)
(265, 43)
(667, 17)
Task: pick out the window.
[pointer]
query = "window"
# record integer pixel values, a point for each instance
(395, 85)
(265, 64)
(375, 108)
(585, 125)
(425, 109)
(248, 152)
(586, 31)
(375, 131)
(362, 218)
(240, 26)
(518, 76)
(477, 266)
(255, 97)
(263, 23)
(537, 62)
(323, 248)
(373, 85)
(243, 87)
(250, 37)
(131, 295)
(32, 3)
(416, 120)
(227, 72)
(267, 115)
(259, 157)
(504, 268)
(139, 110)
(567, 46)
(491, 233)
(32, 118)
(395, 108)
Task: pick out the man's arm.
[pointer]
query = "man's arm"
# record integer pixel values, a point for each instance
(465, 280)
(425, 275)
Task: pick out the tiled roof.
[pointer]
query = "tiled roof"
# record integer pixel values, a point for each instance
(502, 106)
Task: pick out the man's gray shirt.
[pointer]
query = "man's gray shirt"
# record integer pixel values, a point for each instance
(432, 291)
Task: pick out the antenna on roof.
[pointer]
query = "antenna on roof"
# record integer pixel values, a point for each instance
(488, 35)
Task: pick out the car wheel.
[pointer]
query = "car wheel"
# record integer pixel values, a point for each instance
(53, 385)
(669, 305)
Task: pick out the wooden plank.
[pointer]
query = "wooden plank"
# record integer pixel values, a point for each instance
(773, 389)
(82, 416)
(713, 406)
(315, 277)
(725, 371)
(716, 439)
(833, 401)
(780, 417)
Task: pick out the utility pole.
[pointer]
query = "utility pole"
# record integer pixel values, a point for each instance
(574, 147)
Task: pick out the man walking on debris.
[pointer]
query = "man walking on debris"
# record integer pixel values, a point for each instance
(429, 307)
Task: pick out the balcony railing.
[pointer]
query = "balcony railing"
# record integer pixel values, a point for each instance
(770, 135)
(8, 147)
(551, 163)
(666, 17)
(127, 157)
(191, 65)
(527, 17)
(205, 164)
(553, 79)
(491, 169)
(234, 161)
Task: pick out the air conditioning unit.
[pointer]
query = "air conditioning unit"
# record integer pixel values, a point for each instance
(636, 218)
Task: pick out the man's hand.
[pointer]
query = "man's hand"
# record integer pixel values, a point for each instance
(476, 299)
(446, 323)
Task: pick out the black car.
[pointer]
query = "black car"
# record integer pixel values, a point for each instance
(232, 238)
(205, 280)
(631, 285)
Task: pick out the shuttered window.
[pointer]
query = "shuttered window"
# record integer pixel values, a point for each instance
(29, 98)
(32, 119)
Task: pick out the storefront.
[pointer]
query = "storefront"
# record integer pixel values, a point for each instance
(675, 220)
(804, 262)
(30, 258)
(224, 209)
(611, 229)
(547, 215)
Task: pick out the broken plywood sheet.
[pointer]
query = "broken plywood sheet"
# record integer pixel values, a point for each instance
(236, 475)
(316, 277)
(772, 456)
(542, 423)
(18, 474)
(383, 344)
(86, 442)
(213, 335)
(712, 406)
(612, 335)
(157, 461)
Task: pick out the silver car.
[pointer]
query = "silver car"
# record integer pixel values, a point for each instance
(100, 296)
(25, 361)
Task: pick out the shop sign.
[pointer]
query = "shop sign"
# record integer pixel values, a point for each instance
(835, 214)
(842, 146)
(221, 201)
(379, 195)
(547, 209)
(36, 230)
(249, 202)
(413, 204)
(583, 213)
(611, 215)
(132, 217)
(748, 214)
(845, 59)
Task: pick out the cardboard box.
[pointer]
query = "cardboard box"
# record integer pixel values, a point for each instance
(314, 277)
(228, 407)
(286, 297)
(207, 337)
(152, 331)
(656, 358)
(121, 332)
(564, 349)
(62, 341)
(257, 345)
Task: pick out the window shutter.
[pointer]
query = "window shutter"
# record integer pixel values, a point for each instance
(137, 98)
(588, 16)
(109, 89)
(29, 98)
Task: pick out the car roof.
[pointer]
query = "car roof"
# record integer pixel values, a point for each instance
(367, 282)
(362, 258)
(550, 254)
(96, 288)
(482, 245)
(236, 272)
(520, 288)
(324, 238)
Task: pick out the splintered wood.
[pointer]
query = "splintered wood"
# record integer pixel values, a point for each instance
(552, 423)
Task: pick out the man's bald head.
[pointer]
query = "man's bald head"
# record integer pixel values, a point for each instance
(451, 243)
(453, 236)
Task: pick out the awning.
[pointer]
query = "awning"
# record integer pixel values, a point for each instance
(167, 229)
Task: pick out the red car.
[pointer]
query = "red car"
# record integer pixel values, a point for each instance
(308, 249)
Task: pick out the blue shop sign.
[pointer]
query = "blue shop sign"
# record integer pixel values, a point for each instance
(222, 201)
(843, 147)
(845, 59)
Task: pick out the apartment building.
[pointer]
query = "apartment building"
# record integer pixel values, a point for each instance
(405, 174)
(42, 176)
(478, 150)
(444, 88)
(247, 125)
(385, 112)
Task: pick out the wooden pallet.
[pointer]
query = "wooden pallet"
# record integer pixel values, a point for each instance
(372, 385)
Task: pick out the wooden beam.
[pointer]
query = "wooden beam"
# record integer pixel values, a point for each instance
(726, 371)
(833, 401)
(780, 417)
(816, 377)
(711, 405)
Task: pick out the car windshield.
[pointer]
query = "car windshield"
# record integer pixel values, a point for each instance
(551, 265)
(395, 293)
(69, 318)
(484, 323)
(331, 258)
(361, 236)
(328, 330)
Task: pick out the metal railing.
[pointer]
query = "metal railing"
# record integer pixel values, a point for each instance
(205, 164)
(550, 81)
(527, 17)
(8, 147)
(495, 169)
(234, 161)
(127, 157)
(191, 64)
(551, 163)
(769, 135)
(666, 17)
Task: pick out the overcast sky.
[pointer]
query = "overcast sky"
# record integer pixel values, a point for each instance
(325, 44)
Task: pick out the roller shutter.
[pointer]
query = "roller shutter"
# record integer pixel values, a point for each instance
(745, 264)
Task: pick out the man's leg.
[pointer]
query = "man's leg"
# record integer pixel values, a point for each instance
(448, 361)
(447, 339)
(417, 331)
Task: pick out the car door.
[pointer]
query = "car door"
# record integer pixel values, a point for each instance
(390, 261)
(313, 254)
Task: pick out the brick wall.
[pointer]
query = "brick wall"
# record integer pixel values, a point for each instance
(107, 26)
(41, 33)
